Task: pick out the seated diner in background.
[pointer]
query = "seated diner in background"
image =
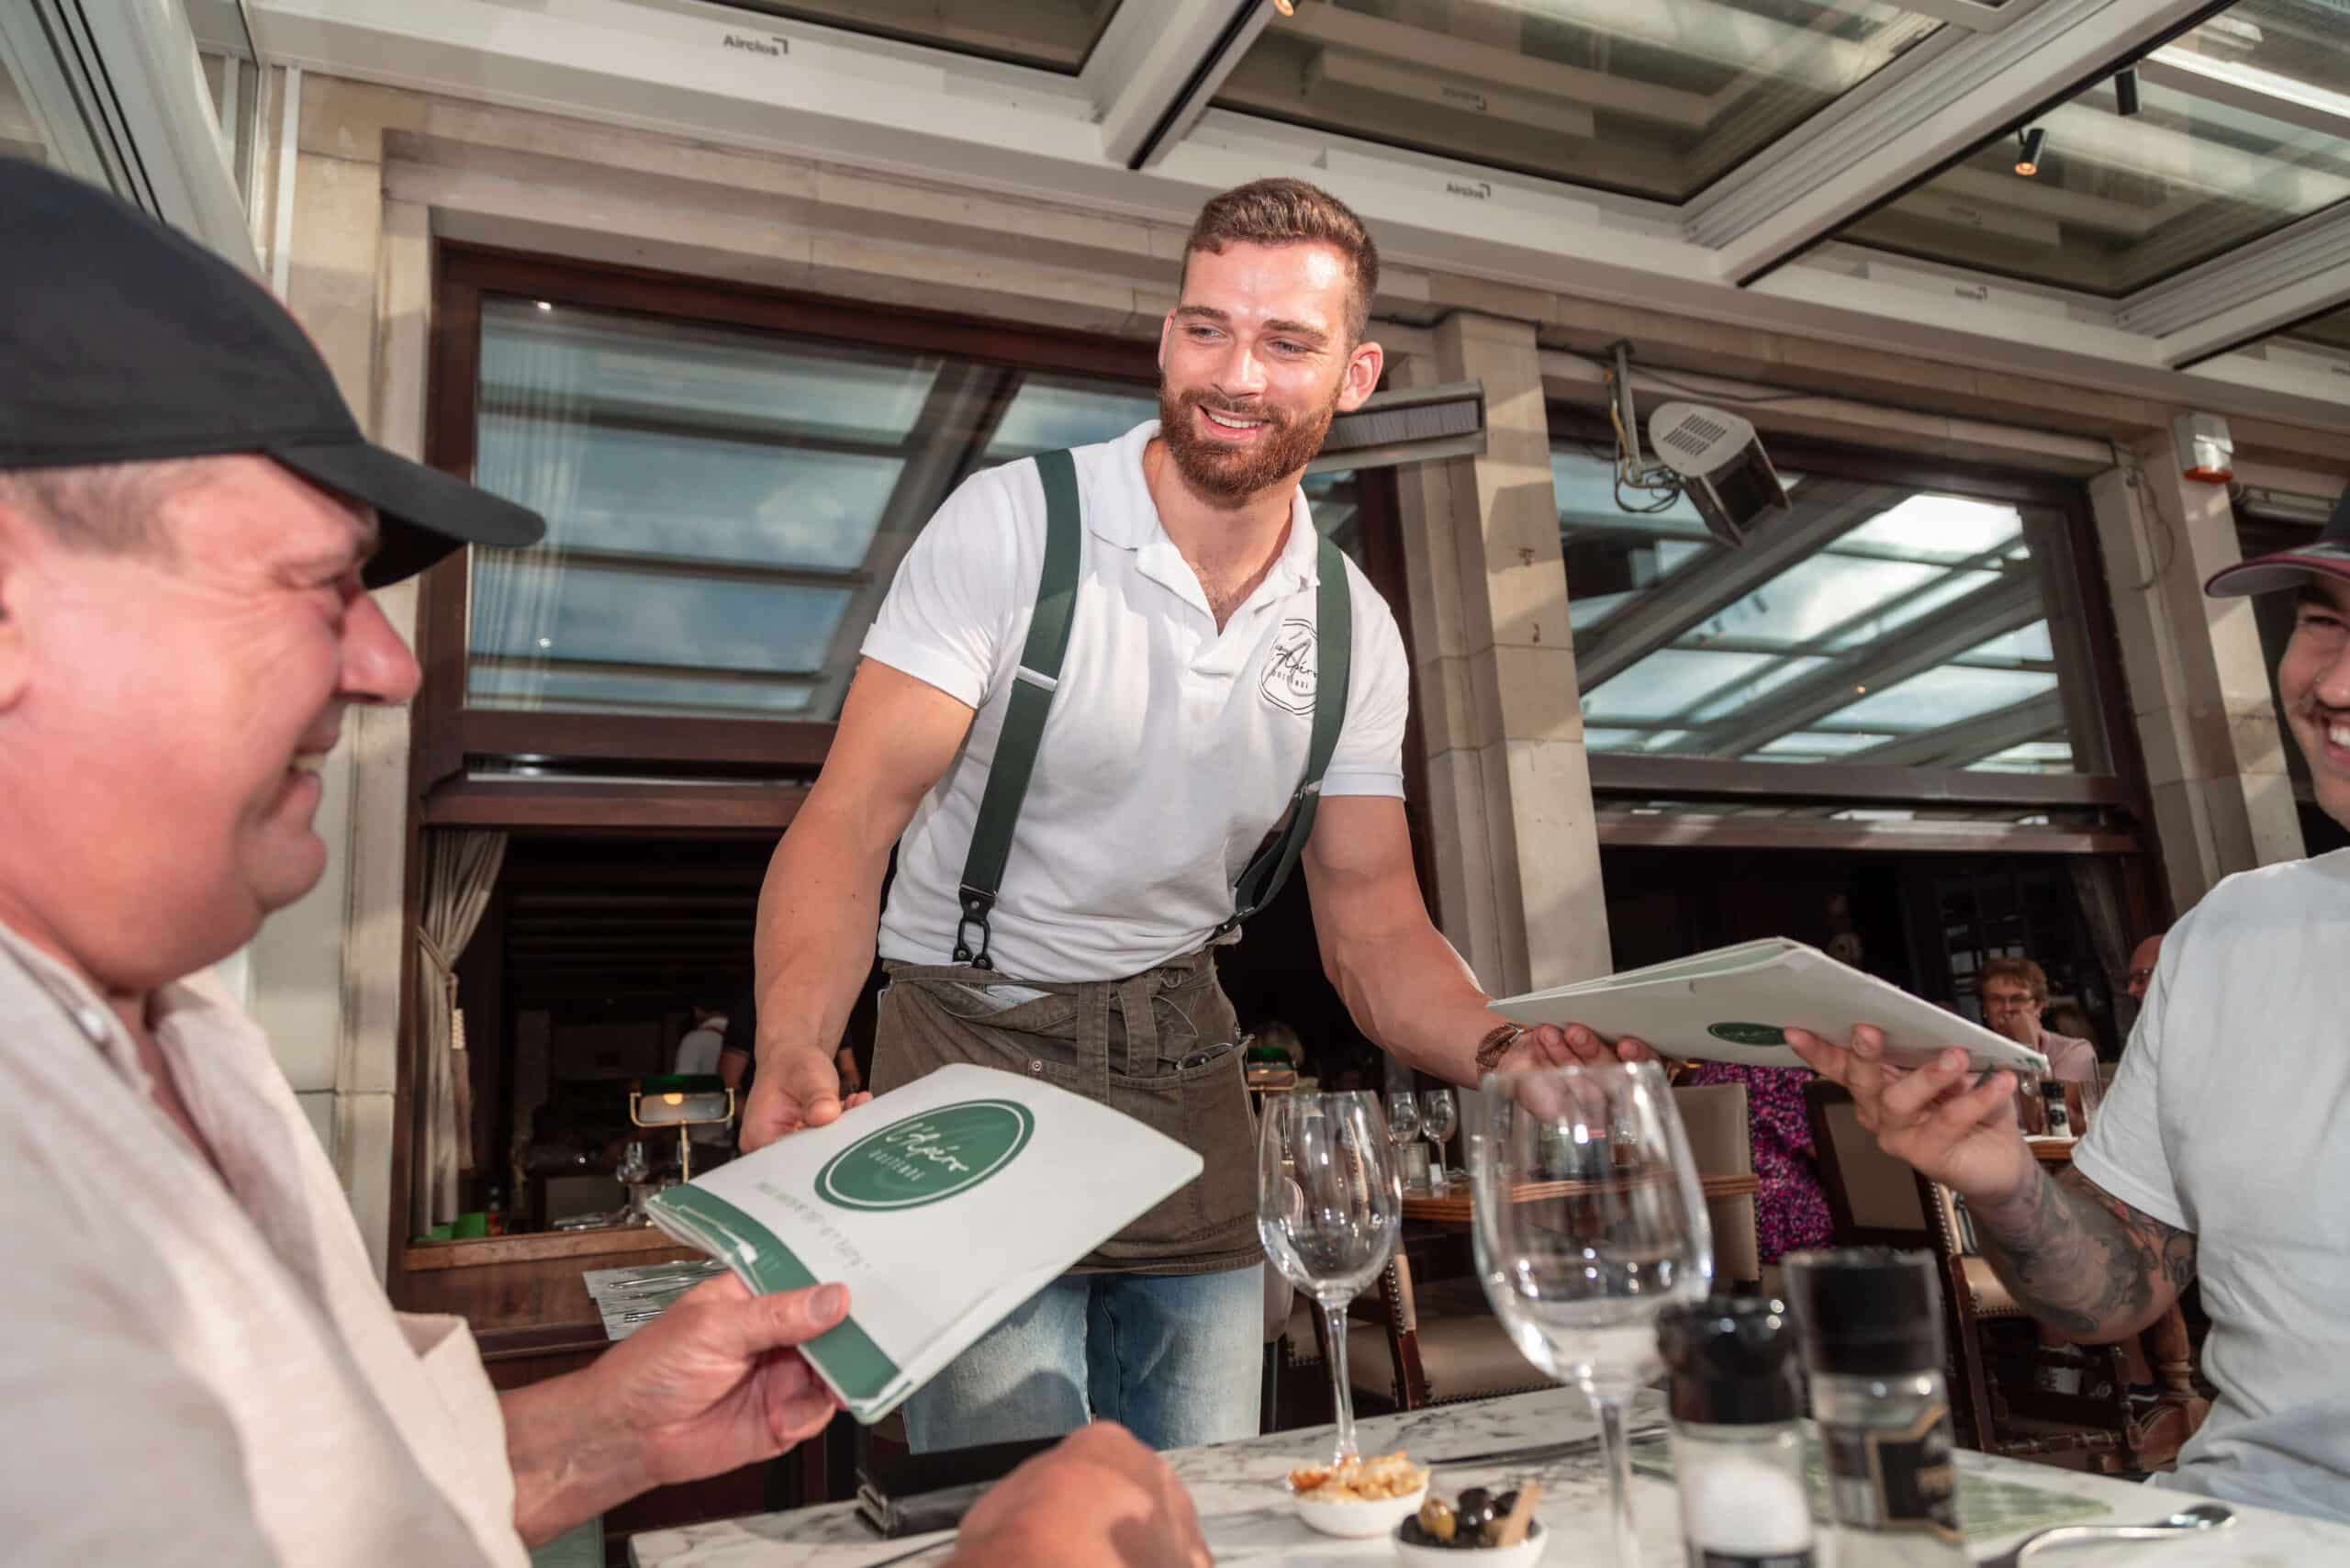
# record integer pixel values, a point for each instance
(202, 1365)
(2014, 993)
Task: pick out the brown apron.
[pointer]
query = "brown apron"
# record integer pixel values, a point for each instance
(1162, 1045)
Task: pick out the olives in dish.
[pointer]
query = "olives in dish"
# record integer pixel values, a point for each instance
(1471, 1522)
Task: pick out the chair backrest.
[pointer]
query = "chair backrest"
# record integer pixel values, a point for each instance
(1872, 1196)
(1722, 1143)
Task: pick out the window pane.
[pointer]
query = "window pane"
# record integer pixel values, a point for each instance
(725, 508)
(2243, 127)
(1054, 34)
(1656, 97)
(1875, 624)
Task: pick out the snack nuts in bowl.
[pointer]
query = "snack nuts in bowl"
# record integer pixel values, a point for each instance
(1359, 1498)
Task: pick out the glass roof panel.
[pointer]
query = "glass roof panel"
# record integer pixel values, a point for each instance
(1654, 98)
(1943, 697)
(2244, 127)
(1054, 34)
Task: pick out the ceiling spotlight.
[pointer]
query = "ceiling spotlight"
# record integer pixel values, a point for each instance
(1286, 7)
(2125, 91)
(2027, 159)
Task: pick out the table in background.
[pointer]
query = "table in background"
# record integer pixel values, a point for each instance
(1453, 1211)
(1247, 1518)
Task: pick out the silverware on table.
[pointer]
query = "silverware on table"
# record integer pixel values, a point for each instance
(2186, 1522)
(1536, 1453)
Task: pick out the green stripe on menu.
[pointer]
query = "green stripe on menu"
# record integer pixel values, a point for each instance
(857, 1367)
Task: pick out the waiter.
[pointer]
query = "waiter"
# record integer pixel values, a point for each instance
(1112, 694)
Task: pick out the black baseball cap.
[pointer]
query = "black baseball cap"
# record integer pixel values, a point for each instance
(122, 340)
(2326, 555)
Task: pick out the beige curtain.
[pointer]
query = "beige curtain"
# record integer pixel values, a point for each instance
(460, 869)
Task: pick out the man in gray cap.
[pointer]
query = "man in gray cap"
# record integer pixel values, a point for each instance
(2223, 1152)
(200, 1365)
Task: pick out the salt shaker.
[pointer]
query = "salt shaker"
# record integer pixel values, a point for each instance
(1870, 1324)
(1736, 1433)
(2060, 1120)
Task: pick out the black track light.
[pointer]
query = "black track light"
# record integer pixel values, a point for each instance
(2125, 91)
(2028, 158)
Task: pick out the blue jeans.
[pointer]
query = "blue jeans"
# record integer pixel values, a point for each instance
(1174, 1358)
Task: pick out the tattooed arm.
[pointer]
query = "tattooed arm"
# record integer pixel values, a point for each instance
(2076, 1257)
(2082, 1261)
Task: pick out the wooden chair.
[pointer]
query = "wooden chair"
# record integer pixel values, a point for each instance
(1721, 1141)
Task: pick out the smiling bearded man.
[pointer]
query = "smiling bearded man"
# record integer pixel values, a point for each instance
(1114, 693)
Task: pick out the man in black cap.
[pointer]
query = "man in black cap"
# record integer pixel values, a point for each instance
(2222, 1151)
(200, 1362)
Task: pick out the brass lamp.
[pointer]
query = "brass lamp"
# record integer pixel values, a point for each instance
(682, 1100)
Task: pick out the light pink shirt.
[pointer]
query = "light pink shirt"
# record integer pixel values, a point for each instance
(200, 1373)
(2069, 1060)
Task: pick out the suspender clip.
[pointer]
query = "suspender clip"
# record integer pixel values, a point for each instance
(975, 905)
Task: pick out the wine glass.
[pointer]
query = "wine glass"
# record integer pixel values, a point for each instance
(1327, 1209)
(1441, 1114)
(1578, 1268)
(1403, 1118)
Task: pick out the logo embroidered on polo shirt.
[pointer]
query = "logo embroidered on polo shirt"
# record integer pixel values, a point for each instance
(1289, 674)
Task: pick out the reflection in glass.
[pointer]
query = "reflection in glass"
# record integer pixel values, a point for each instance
(1655, 97)
(1054, 34)
(1875, 625)
(2243, 127)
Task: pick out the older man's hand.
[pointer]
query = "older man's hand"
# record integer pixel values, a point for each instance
(1963, 1136)
(710, 1385)
(1098, 1500)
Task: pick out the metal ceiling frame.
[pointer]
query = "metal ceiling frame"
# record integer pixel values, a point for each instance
(1131, 134)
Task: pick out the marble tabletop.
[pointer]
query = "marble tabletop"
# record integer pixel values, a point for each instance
(1247, 1517)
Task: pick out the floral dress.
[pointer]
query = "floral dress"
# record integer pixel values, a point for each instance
(1790, 1205)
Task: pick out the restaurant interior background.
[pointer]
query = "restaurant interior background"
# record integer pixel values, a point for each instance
(736, 293)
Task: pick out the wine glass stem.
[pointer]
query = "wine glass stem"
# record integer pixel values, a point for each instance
(1610, 1411)
(1342, 1398)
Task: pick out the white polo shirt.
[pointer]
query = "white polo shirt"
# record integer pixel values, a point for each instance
(1171, 747)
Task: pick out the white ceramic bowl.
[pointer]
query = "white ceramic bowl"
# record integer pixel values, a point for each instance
(1524, 1553)
(1360, 1521)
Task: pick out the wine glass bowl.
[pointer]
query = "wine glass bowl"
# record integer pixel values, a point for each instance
(1589, 1219)
(1329, 1207)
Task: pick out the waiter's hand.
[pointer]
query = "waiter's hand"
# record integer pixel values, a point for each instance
(1950, 1129)
(797, 1087)
(1098, 1500)
(1548, 1045)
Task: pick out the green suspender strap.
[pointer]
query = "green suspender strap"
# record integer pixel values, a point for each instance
(1334, 643)
(1031, 699)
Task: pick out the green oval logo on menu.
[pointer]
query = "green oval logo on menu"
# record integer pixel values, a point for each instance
(927, 1158)
(1749, 1034)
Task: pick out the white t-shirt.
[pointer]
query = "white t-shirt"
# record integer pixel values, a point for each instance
(2231, 1118)
(197, 1371)
(1171, 747)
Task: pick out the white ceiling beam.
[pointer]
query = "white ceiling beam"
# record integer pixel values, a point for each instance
(1887, 136)
(1151, 64)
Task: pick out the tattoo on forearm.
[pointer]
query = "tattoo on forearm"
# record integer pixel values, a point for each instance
(2081, 1260)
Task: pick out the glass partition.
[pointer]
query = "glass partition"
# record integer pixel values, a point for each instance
(1876, 624)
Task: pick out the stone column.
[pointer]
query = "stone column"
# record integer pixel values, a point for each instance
(2199, 691)
(324, 973)
(1510, 805)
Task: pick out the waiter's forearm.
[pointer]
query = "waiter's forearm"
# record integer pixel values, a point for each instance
(1414, 996)
(818, 910)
